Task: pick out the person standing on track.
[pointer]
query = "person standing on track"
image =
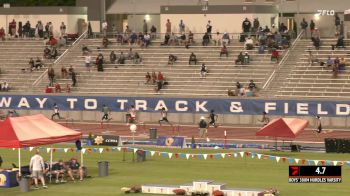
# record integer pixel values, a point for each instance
(164, 117)
(56, 111)
(264, 118)
(106, 112)
(131, 115)
(318, 124)
(213, 118)
(202, 127)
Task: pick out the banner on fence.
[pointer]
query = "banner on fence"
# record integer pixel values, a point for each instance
(171, 141)
(179, 105)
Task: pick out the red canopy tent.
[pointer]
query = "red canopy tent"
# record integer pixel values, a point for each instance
(30, 131)
(36, 130)
(283, 127)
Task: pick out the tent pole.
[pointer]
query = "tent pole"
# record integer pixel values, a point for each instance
(81, 157)
(19, 161)
(51, 164)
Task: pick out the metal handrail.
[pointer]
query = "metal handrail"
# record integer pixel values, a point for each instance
(267, 83)
(39, 79)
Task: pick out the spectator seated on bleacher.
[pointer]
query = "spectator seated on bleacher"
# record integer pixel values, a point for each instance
(105, 42)
(217, 39)
(64, 72)
(154, 77)
(137, 58)
(140, 39)
(249, 43)
(203, 71)
(121, 59)
(206, 39)
(190, 37)
(67, 88)
(224, 51)
(75, 168)
(160, 81)
(182, 39)
(340, 43)
(2, 34)
(166, 39)
(230, 92)
(146, 40)
(132, 39)
(52, 42)
(316, 42)
(335, 70)
(59, 170)
(38, 63)
(225, 39)
(246, 59)
(285, 43)
(47, 52)
(5, 86)
(329, 62)
(261, 49)
(130, 54)
(85, 49)
(273, 29)
(240, 59)
(342, 64)
(148, 78)
(62, 42)
(58, 88)
(53, 53)
(172, 59)
(266, 30)
(275, 55)
(240, 90)
(112, 57)
(49, 89)
(193, 59)
(173, 39)
(31, 64)
(252, 87)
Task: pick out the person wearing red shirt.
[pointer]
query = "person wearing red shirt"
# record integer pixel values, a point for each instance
(160, 80)
(275, 55)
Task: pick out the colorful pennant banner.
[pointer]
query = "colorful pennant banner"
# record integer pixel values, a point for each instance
(198, 156)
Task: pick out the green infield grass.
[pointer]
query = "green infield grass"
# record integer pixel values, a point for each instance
(235, 172)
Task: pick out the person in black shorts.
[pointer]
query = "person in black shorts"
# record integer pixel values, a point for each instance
(75, 167)
(213, 118)
(59, 170)
(318, 124)
(164, 117)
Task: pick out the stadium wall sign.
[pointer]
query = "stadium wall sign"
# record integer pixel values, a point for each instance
(179, 105)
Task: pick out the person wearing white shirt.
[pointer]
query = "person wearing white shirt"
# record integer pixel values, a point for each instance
(104, 28)
(37, 168)
(249, 43)
(87, 62)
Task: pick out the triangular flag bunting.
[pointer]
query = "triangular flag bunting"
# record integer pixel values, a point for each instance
(223, 155)
(100, 150)
(119, 148)
(152, 153)
(188, 156)
(259, 156)
(235, 155)
(170, 155)
(278, 159)
(48, 150)
(205, 156)
(316, 162)
(335, 162)
(297, 160)
(65, 150)
(135, 149)
(83, 150)
(13, 148)
(241, 153)
(31, 148)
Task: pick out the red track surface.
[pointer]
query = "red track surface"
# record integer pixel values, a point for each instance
(233, 133)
